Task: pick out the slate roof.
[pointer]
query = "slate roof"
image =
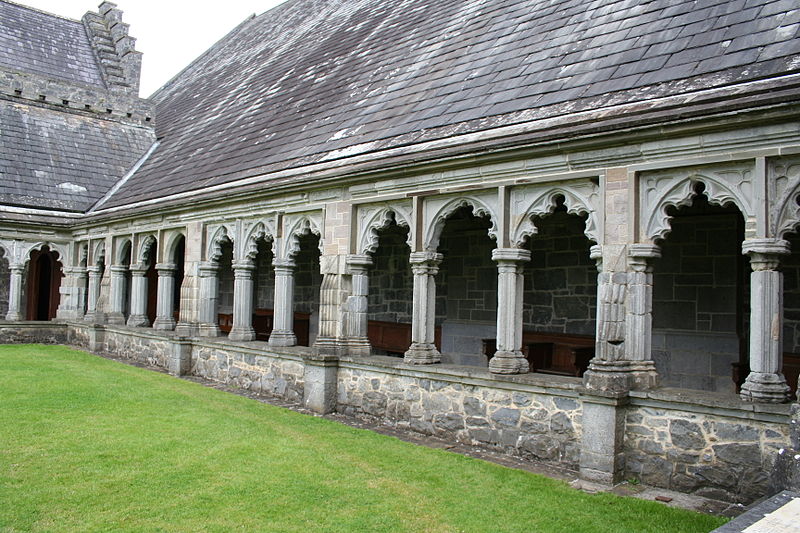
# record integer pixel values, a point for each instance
(63, 161)
(40, 43)
(321, 80)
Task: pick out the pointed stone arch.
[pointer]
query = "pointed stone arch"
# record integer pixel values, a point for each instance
(219, 236)
(99, 252)
(660, 191)
(295, 228)
(172, 241)
(259, 231)
(785, 209)
(372, 219)
(60, 249)
(145, 246)
(436, 222)
(124, 247)
(540, 201)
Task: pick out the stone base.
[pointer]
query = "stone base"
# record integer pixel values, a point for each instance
(508, 363)
(282, 338)
(765, 388)
(138, 321)
(320, 383)
(422, 354)
(602, 458)
(96, 317)
(620, 376)
(356, 346)
(164, 323)
(242, 334)
(209, 330)
(180, 360)
(14, 317)
(185, 329)
(116, 319)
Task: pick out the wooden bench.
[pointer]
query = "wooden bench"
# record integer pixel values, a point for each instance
(562, 354)
(394, 338)
(263, 324)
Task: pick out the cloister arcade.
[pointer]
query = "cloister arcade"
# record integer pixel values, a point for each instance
(515, 278)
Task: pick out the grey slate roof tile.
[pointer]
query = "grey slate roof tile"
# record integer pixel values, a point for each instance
(41, 43)
(311, 78)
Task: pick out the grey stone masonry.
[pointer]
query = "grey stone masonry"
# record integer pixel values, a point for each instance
(561, 278)
(390, 280)
(790, 266)
(5, 281)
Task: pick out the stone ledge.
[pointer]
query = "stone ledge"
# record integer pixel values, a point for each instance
(710, 403)
(536, 383)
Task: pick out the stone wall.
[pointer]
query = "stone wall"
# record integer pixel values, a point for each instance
(700, 291)
(33, 333)
(264, 278)
(139, 344)
(790, 265)
(391, 283)
(307, 278)
(561, 279)
(521, 419)
(250, 369)
(721, 454)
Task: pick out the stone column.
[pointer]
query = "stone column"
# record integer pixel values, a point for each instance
(356, 306)
(242, 329)
(209, 298)
(283, 313)
(622, 365)
(424, 265)
(15, 293)
(72, 292)
(95, 278)
(766, 382)
(118, 289)
(165, 300)
(509, 359)
(138, 316)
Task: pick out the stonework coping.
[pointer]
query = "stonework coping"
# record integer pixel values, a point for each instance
(166, 268)
(320, 359)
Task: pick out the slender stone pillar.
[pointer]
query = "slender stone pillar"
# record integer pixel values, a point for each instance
(766, 382)
(138, 316)
(283, 313)
(242, 329)
(15, 293)
(622, 365)
(209, 298)
(355, 339)
(72, 292)
(95, 278)
(509, 359)
(165, 300)
(118, 290)
(424, 265)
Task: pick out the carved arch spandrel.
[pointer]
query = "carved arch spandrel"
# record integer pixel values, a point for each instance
(146, 244)
(296, 225)
(784, 185)
(374, 217)
(439, 209)
(580, 198)
(218, 235)
(730, 184)
(64, 257)
(254, 231)
(99, 252)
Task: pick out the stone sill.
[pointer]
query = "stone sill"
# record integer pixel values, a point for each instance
(710, 403)
(468, 375)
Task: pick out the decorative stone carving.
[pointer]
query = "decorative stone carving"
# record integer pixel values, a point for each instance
(218, 236)
(165, 297)
(611, 312)
(253, 233)
(283, 314)
(15, 292)
(209, 298)
(118, 290)
(295, 226)
(373, 218)
(784, 192)
(138, 317)
(355, 340)
(95, 278)
(766, 383)
(580, 198)
(729, 184)
(242, 329)
(439, 209)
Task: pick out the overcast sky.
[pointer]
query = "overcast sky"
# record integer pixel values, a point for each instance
(170, 33)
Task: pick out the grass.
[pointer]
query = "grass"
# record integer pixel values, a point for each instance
(88, 444)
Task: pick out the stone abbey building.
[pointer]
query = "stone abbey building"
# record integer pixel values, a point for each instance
(567, 229)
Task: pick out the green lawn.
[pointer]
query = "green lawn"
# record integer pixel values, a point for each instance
(88, 444)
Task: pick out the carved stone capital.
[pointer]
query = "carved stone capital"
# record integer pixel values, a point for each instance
(640, 256)
(138, 269)
(765, 253)
(358, 263)
(166, 269)
(512, 255)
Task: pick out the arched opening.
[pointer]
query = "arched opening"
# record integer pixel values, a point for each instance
(126, 255)
(264, 293)
(151, 275)
(307, 284)
(44, 281)
(560, 296)
(178, 253)
(389, 301)
(466, 290)
(224, 296)
(790, 265)
(5, 283)
(700, 299)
